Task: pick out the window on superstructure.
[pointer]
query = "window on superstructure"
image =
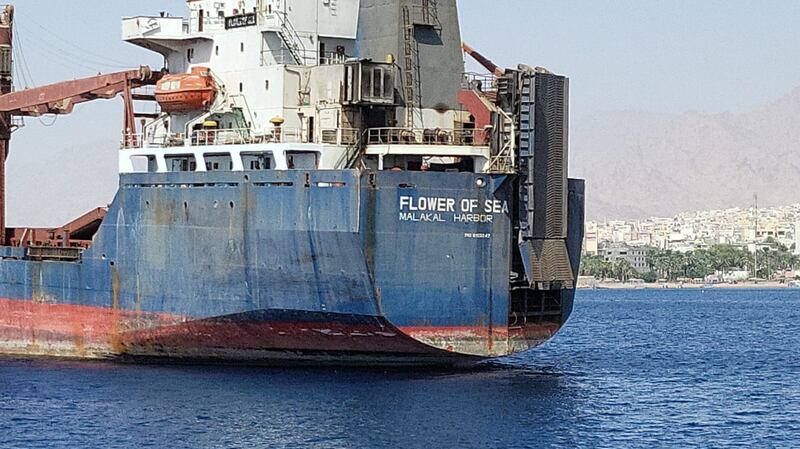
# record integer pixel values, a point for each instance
(388, 85)
(302, 160)
(371, 162)
(181, 163)
(377, 83)
(257, 161)
(144, 164)
(190, 54)
(241, 47)
(216, 50)
(218, 162)
(266, 85)
(241, 87)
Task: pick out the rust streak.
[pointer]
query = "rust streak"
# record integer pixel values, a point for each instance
(116, 341)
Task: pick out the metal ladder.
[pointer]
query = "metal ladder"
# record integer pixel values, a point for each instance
(291, 39)
(413, 83)
(504, 142)
(429, 14)
(504, 160)
(351, 159)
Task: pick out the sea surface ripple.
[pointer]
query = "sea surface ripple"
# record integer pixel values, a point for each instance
(715, 368)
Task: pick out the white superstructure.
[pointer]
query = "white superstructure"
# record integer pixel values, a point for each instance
(291, 87)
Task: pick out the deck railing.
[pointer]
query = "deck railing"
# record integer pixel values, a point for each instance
(328, 136)
(53, 253)
(206, 137)
(209, 24)
(284, 57)
(340, 136)
(483, 82)
(242, 136)
(438, 136)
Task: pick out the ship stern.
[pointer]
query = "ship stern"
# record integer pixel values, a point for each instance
(442, 249)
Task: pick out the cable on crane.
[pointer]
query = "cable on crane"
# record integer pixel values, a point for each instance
(18, 49)
(81, 49)
(77, 53)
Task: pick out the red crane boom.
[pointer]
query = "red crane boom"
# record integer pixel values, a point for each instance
(60, 98)
(483, 60)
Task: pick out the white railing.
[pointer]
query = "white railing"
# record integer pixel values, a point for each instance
(169, 26)
(135, 27)
(482, 82)
(284, 57)
(438, 136)
(209, 24)
(329, 136)
(206, 137)
(241, 136)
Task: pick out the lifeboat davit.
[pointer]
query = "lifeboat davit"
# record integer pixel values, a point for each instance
(186, 92)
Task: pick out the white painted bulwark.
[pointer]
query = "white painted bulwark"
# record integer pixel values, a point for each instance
(152, 27)
(136, 160)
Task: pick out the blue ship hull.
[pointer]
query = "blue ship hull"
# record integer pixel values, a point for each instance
(281, 267)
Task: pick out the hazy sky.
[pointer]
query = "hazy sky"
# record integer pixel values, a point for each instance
(653, 56)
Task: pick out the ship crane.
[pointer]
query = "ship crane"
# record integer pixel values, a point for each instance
(60, 98)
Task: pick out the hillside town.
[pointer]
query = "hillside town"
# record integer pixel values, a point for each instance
(731, 246)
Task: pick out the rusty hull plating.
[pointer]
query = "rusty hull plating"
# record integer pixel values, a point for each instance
(263, 268)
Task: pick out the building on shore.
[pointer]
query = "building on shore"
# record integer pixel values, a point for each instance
(690, 231)
(636, 256)
(590, 240)
(797, 237)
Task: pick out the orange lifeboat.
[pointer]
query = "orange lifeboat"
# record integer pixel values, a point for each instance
(186, 92)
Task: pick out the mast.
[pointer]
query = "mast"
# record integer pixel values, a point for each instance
(6, 80)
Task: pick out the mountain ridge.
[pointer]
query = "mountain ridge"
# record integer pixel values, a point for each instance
(639, 165)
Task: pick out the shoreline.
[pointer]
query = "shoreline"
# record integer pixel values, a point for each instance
(685, 286)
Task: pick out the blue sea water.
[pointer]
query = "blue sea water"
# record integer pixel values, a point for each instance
(716, 368)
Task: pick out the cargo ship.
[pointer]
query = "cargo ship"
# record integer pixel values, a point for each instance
(322, 182)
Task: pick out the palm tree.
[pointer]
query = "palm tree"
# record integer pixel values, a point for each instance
(623, 270)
